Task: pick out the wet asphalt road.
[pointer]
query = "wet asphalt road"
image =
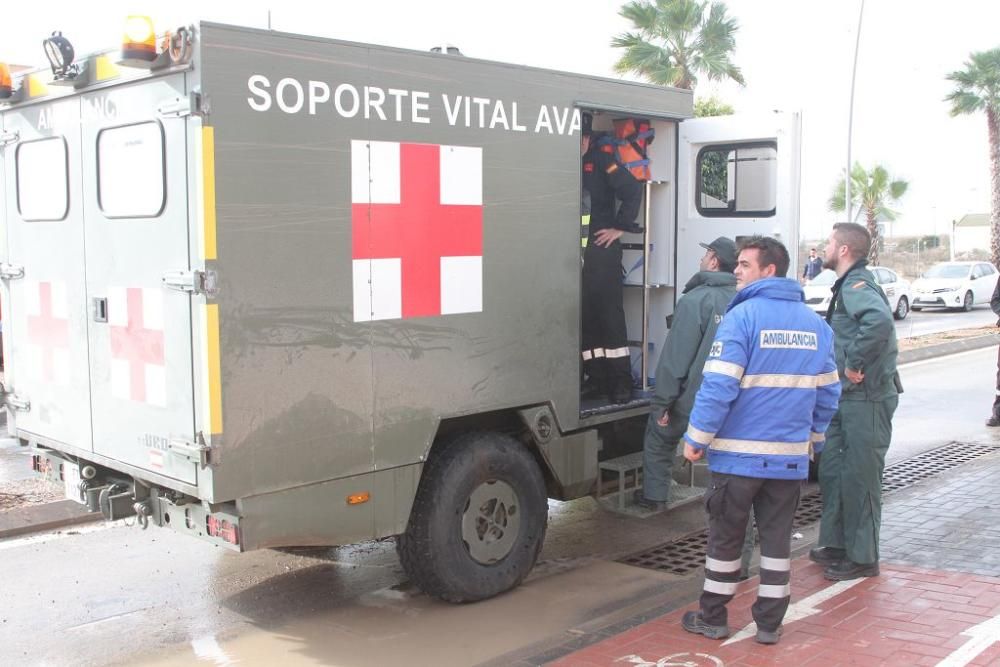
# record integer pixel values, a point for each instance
(116, 594)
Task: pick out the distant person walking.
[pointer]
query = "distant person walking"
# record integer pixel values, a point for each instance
(813, 266)
(850, 470)
(769, 389)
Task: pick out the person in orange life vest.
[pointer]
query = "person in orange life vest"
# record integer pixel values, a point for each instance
(615, 199)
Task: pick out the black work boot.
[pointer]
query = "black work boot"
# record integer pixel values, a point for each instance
(768, 636)
(693, 622)
(994, 420)
(827, 555)
(639, 499)
(848, 569)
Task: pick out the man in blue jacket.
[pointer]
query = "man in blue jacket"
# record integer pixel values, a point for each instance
(769, 389)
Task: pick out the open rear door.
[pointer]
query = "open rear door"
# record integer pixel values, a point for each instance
(737, 176)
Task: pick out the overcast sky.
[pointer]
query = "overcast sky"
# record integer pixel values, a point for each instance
(795, 55)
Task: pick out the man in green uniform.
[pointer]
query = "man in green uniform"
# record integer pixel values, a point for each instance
(850, 469)
(678, 373)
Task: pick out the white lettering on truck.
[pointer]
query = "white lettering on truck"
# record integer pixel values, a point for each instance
(291, 96)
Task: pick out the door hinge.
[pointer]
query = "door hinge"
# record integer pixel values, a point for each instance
(11, 271)
(8, 138)
(14, 402)
(196, 453)
(195, 104)
(192, 282)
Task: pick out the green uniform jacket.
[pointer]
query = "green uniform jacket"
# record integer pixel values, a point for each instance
(864, 336)
(697, 316)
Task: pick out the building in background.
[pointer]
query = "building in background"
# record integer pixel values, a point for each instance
(972, 232)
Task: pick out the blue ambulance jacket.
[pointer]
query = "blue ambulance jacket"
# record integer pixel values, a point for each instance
(770, 385)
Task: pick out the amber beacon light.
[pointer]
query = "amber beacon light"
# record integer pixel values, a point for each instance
(139, 42)
(6, 85)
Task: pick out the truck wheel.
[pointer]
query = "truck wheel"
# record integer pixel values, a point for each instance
(478, 520)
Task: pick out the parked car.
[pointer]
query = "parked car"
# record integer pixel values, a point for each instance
(955, 285)
(896, 289)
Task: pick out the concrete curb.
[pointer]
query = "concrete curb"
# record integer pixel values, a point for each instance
(44, 517)
(59, 514)
(951, 347)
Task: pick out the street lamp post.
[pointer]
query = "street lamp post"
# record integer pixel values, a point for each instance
(850, 116)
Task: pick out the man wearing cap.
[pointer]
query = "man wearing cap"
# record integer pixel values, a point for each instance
(615, 200)
(678, 374)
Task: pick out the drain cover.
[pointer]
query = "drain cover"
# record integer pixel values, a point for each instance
(687, 554)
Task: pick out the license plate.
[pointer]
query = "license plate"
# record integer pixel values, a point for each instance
(71, 482)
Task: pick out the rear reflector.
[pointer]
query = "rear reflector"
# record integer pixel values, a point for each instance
(358, 498)
(223, 529)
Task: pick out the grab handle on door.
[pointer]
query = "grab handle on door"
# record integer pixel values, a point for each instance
(100, 309)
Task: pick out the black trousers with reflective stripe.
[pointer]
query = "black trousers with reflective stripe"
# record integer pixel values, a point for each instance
(604, 316)
(728, 504)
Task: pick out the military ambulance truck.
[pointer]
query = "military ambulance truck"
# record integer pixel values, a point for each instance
(274, 290)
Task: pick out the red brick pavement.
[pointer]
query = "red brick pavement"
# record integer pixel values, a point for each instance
(907, 617)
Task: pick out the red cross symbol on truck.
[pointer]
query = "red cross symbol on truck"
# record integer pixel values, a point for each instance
(419, 230)
(48, 331)
(136, 344)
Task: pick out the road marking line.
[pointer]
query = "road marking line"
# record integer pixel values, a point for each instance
(983, 636)
(801, 609)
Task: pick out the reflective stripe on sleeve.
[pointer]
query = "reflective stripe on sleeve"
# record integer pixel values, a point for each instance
(587, 355)
(779, 381)
(724, 367)
(759, 446)
(617, 353)
(774, 591)
(699, 436)
(722, 565)
(824, 379)
(775, 564)
(817, 437)
(721, 587)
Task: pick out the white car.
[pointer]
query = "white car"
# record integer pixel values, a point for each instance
(959, 285)
(897, 290)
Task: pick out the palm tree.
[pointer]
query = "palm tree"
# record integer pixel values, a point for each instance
(675, 42)
(872, 191)
(978, 89)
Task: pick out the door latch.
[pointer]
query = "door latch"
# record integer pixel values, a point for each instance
(8, 138)
(11, 271)
(195, 104)
(196, 453)
(16, 403)
(192, 282)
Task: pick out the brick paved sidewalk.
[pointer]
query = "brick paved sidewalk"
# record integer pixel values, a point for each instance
(907, 617)
(939, 592)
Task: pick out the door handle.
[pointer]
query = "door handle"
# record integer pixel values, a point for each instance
(100, 309)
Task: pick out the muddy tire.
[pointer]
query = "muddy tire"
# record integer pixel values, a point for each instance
(478, 520)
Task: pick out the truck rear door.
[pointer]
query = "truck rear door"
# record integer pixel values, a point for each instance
(737, 176)
(44, 319)
(136, 209)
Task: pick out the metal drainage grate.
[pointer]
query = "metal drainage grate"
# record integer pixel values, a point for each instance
(679, 557)
(688, 553)
(905, 473)
(809, 511)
